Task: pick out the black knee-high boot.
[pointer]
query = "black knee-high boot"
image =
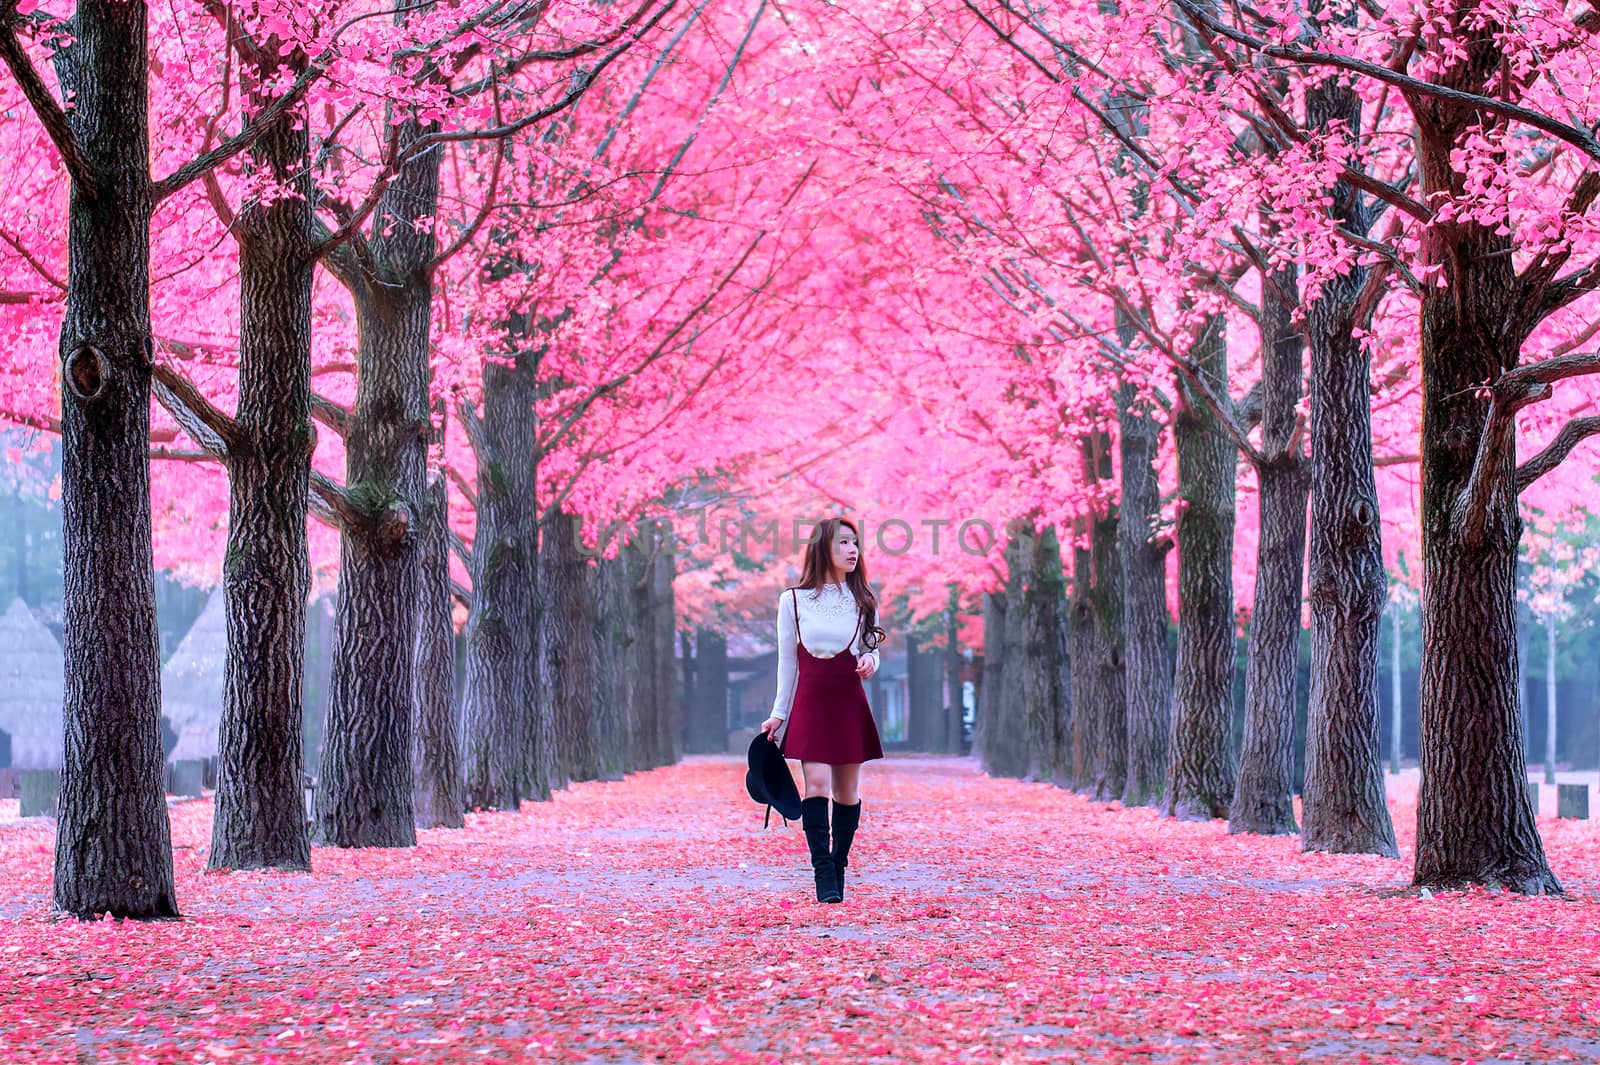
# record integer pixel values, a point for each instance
(845, 820)
(814, 819)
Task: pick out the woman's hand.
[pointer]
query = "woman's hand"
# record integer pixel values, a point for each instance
(771, 725)
(866, 666)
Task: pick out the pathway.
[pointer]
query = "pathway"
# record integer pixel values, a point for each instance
(654, 920)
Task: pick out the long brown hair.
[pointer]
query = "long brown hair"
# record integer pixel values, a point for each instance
(819, 564)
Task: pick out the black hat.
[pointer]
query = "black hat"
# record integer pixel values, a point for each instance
(768, 780)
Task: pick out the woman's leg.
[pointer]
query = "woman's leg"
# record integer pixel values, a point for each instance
(814, 820)
(846, 816)
(846, 784)
(817, 776)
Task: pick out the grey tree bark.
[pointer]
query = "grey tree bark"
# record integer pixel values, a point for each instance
(1395, 705)
(435, 752)
(266, 575)
(1098, 677)
(1003, 751)
(566, 649)
(1141, 559)
(615, 671)
(1047, 692)
(113, 851)
(1344, 807)
(1550, 699)
(1474, 823)
(1200, 781)
(950, 732)
(1263, 798)
(496, 697)
(708, 708)
(364, 791)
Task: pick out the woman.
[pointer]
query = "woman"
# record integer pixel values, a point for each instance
(820, 715)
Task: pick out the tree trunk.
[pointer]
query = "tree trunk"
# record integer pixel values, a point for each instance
(1550, 699)
(1047, 693)
(435, 754)
(260, 804)
(1088, 709)
(614, 672)
(1395, 717)
(1148, 672)
(708, 709)
(991, 680)
(495, 697)
(668, 710)
(566, 647)
(1524, 631)
(1474, 822)
(364, 793)
(1200, 780)
(1263, 800)
(640, 556)
(1004, 753)
(950, 729)
(113, 851)
(1343, 801)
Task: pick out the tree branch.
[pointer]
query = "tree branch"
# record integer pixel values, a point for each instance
(49, 112)
(214, 431)
(460, 481)
(1571, 435)
(332, 415)
(1581, 139)
(1512, 391)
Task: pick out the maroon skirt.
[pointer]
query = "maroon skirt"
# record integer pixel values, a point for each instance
(830, 721)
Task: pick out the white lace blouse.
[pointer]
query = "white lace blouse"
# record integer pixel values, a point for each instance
(828, 616)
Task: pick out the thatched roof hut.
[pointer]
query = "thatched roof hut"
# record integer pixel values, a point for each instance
(31, 681)
(191, 683)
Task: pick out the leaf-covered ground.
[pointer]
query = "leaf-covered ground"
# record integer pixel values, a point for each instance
(654, 920)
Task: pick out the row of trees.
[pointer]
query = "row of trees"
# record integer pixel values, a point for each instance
(955, 260)
(425, 351)
(1399, 200)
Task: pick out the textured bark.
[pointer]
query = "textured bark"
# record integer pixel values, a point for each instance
(1200, 780)
(113, 851)
(663, 618)
(1110, 679)
(566, 648)
(708, 705)
(495, 697)
(1395, 717)
(435, 751)
(639, 557)
(266, 576)
(924, 696)
(1047, 690)
(990, 684)
(1148, 666)
(1550, 699)
(1474, 822)
(949, 740)
(1088, 710)
(1099, 682)
(613, 669)
(1263, 798)
(1343, 802)
(1003, 750)
(364, 791)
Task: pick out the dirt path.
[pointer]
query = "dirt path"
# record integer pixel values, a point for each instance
(654, 920)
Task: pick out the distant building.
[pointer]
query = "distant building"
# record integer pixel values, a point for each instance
(191, 683)
(31, 681)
